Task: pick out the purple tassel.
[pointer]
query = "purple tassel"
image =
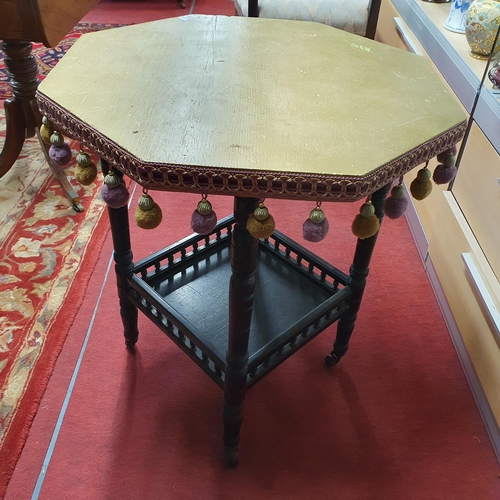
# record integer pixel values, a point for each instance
(312, 231)
(394, 208)
(444, 175)
(115, 197)
(204, 218)
(395, 205)
(203, 224)
(60, 155)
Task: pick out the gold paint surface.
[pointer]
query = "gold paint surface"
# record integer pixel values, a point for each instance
(252, 94)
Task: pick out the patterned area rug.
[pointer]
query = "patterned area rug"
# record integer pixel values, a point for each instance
(47, 254)
(47, 58)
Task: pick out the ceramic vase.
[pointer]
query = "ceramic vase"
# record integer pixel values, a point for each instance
(482, 20)
(494, 76)
(456, 18)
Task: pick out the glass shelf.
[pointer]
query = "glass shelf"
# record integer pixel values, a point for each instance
(450, 53)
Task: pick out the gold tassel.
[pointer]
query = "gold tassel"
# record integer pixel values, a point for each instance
(148, 214)
(85, 169)
(260, 224)
(366, 223)
(421, 187)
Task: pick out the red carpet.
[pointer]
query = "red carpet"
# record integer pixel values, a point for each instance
(395, 419)
(47, 254)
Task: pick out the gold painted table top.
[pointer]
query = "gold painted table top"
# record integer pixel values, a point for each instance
(251, 106)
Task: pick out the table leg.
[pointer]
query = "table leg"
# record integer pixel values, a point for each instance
(21, 113)
(124, 266)
(244, 248)
(357, 281)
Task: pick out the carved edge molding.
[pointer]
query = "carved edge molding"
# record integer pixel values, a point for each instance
(245, 183)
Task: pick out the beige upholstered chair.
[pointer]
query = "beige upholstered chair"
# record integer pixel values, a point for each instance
(355, 16)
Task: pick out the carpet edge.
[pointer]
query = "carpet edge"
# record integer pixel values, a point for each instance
(64, 318)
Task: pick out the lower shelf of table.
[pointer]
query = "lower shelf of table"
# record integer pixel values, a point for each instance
(184, 290)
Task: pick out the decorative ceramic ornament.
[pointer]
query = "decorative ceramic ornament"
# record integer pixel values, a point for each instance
(494, 75)
(456, 18)
(482, 21)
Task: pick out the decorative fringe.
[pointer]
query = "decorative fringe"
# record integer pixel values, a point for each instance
(148, 214)
(59, 151)
(46, 130)
(114, 193)
(260, 224)
(315, 228)
(395, 205)
(85, 170)
(446, 171)
(366, 223)
(421, 187)
(203, 219)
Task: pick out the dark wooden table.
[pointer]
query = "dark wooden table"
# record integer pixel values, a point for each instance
(23, 22)
(249, 108)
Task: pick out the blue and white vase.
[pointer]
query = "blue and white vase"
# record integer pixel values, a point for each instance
(456, 18)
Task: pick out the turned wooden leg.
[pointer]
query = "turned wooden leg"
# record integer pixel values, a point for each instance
(14, 135)
(124, 266)
(21, 112)
(22, 70)
(357, 281)
(244, 249)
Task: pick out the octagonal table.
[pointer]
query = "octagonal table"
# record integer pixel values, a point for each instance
(250, 108)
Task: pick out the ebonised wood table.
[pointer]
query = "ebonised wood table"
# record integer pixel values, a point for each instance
(249, 108)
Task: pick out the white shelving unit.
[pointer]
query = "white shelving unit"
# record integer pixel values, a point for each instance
(456, 232)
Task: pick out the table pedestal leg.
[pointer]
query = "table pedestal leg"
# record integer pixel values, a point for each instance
(244, 249)
(124, 266)
(21, 113)
(357, 281)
